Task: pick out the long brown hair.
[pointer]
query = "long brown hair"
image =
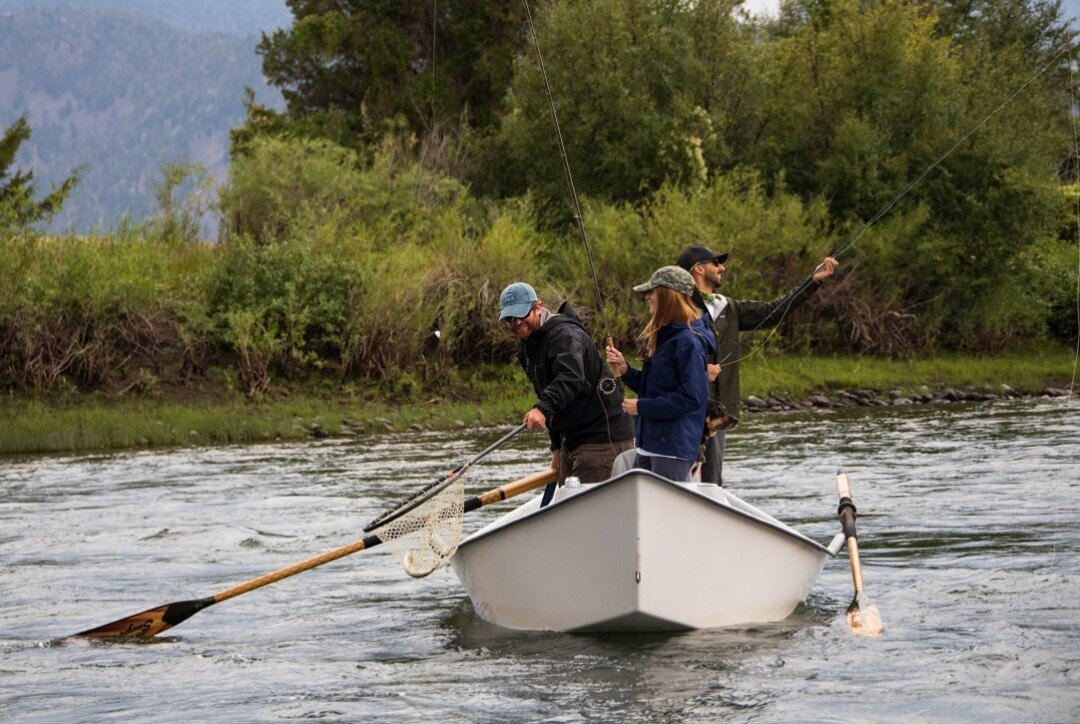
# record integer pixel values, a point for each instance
(671, 306)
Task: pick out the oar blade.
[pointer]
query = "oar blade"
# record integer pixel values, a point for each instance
(864, 618)
(149, 622)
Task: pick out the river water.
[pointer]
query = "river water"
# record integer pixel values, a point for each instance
(969, 520)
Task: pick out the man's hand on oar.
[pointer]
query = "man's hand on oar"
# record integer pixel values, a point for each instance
(862, 616)
(155, 620)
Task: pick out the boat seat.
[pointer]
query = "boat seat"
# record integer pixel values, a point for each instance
(624, 462)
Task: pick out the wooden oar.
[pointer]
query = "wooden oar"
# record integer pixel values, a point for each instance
(155, 620)
(862, 616)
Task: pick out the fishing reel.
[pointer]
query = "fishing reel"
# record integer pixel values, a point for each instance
(607, 385)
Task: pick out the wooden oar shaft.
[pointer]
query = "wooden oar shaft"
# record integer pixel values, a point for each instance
(846, 512)
(367, 542)
(511, 489)
(863, 616)
(856, 566)
(439, 485)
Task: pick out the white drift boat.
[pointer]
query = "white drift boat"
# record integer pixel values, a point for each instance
(638, 553)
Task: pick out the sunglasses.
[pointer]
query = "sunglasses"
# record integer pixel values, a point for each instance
(516, 321)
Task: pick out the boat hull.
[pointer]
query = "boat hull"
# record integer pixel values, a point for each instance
(637, 553)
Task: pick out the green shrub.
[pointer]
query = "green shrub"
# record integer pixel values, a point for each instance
(774, 242)
(278, 306)
(362, 277)
(1054, 269)
(284, 187)
(470, 266)
(90, 307)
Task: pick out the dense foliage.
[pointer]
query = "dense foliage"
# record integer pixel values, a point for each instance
(354, 68)
(396, 196)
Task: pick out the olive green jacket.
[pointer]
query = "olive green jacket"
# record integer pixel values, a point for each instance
(741, 315)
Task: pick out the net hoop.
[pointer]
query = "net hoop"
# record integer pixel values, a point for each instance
(426, 535)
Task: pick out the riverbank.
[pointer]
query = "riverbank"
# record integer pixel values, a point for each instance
(209, 413)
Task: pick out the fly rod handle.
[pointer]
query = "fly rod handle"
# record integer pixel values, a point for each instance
(609, 342)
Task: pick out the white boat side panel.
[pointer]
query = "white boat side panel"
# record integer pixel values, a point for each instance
(702, 566)
(567, 568)
(636, 553)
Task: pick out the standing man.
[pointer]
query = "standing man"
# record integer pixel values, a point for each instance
(728, 317)
(579, 401)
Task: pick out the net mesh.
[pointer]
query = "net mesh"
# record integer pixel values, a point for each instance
(426, 537)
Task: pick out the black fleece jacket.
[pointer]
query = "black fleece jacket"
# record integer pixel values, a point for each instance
(566, 370)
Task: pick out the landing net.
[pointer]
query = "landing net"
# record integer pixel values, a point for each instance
(425, 537)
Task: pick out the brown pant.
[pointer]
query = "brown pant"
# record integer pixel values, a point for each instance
(591, 462)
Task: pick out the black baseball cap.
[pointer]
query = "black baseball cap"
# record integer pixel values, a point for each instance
(697, 254)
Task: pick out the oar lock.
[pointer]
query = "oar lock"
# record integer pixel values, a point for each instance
(846, 503)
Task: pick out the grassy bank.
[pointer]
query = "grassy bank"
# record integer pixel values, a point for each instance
(1027, 372)
(485, 396)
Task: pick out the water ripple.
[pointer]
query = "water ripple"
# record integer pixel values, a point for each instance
(968, 515)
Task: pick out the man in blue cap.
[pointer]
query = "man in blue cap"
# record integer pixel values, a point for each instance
(578, 400)
(728, 317)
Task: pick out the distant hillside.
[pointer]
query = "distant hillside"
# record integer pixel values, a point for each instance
(120, 93)
(234, 17)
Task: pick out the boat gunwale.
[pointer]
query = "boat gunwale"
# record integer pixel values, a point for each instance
(593, 487)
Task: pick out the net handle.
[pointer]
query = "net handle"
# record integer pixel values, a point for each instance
(437, 486)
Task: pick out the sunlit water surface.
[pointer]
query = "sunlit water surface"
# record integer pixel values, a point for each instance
(969, 522)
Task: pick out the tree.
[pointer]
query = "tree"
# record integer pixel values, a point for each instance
(18, 209)
(350, 67)
(866, 96)
(1038, 26)
(650, 94)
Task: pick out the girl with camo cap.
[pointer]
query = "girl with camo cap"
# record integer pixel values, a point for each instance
(672, 385)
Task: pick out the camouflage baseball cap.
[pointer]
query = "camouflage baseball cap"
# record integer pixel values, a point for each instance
(672, 277)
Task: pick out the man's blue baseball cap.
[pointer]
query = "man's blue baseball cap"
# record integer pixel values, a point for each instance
(516, 300)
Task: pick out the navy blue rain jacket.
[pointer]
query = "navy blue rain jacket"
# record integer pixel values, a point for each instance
(673, 389)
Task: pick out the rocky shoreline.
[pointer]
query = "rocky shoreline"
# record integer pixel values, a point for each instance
(752, 404)
(878, 398)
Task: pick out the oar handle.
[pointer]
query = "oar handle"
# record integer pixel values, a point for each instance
(509, 490)
(846, 511)
(843, 484)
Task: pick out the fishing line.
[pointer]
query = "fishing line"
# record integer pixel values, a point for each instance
(1076, 197)
(802, 285)
(434, 37)
(606, 386)
(578, 216)
(1076, 353)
